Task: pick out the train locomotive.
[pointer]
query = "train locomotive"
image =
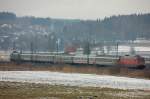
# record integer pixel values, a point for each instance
(125, 61)
(132, 61)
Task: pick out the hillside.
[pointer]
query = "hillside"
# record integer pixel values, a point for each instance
(42, 33)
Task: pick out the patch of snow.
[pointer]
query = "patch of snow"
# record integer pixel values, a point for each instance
(6, 25)
(142, 49)
(75, 79)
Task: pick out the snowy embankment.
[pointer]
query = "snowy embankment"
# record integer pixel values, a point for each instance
(74, 79)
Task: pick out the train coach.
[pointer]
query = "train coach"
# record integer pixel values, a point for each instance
(26, 57)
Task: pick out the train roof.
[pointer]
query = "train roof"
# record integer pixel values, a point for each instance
(81, 56)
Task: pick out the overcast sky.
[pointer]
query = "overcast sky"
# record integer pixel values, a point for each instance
(75, 9)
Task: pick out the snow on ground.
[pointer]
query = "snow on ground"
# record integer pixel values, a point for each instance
(74, 79)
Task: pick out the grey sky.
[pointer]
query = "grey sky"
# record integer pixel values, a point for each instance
(82, 9)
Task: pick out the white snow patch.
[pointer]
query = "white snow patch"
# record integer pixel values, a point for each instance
(75, 79)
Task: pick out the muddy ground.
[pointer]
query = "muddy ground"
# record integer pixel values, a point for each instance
(14, 90)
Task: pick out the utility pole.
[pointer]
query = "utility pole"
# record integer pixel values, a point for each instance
(35, 44)
(21, 50)
(56, 50)
(31, 50)
(88, 51)
(14, 45)
(88, 42)
(117, 50)
(57, 45)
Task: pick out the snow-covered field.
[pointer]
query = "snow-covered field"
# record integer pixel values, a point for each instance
(74, 79)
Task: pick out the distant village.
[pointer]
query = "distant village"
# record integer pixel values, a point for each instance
(140, 46)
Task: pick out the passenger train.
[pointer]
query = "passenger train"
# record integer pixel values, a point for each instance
(126, 61)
